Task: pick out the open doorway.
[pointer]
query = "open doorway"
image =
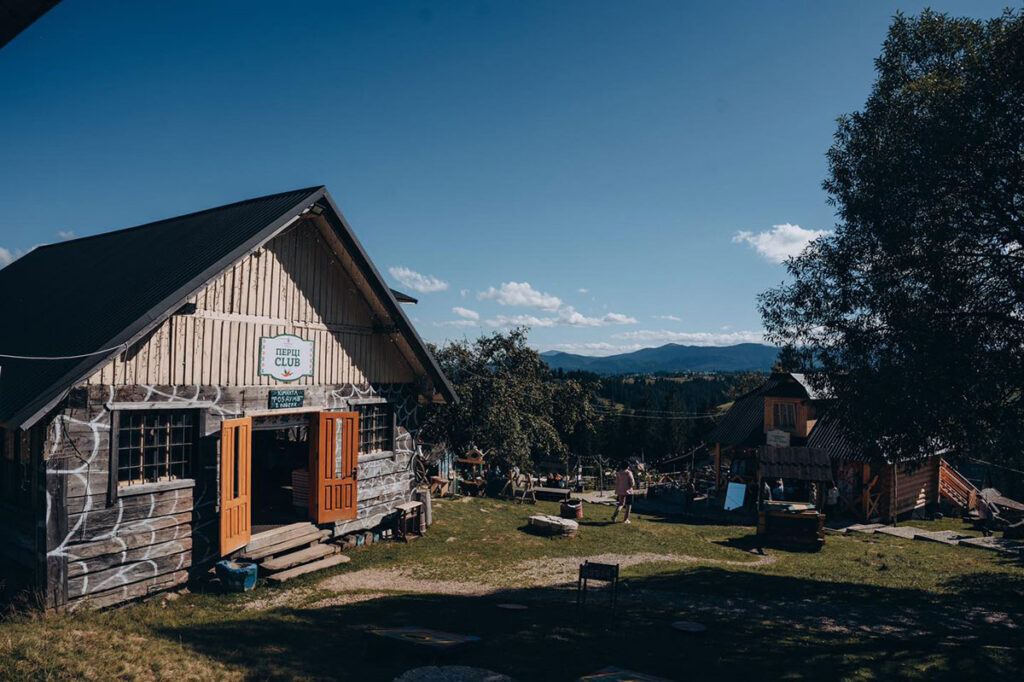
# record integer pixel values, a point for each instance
(280, 471)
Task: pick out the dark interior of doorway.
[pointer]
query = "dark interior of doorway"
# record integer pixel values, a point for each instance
(280, 463)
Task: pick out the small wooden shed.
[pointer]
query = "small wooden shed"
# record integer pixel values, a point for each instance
(167, 389)
(786, 412)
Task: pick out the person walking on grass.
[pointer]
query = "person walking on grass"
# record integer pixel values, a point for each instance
(624, 483)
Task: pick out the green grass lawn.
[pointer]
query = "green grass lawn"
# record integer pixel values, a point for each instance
(865, 607)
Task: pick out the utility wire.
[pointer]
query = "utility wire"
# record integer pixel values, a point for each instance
(64, 357)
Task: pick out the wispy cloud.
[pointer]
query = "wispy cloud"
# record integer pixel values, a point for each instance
(6, 257)
(424, 284)
(66, 234)
(691, 338)
(670, 318)
(457, 323)
(596, 349)
(583, 290)
(466, 313)
(779, 243)
(565, 317)
(521, 294)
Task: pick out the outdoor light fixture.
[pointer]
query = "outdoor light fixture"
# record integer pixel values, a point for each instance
(316, 209)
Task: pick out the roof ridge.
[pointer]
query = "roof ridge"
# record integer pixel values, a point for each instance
(301, 190)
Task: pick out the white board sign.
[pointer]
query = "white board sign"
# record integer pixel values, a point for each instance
(286, 357)
(734, 496)
(777, 439)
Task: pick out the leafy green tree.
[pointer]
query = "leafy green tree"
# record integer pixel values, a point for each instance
(510, 404)
(914, 306)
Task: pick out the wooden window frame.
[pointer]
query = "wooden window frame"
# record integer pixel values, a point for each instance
(777, 409)
(114, 488)
(392, 427)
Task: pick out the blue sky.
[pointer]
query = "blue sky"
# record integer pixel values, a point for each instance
(614, 174)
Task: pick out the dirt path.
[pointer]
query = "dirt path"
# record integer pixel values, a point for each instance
(549, 572)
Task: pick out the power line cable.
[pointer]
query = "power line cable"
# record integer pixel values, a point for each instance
(64, 357)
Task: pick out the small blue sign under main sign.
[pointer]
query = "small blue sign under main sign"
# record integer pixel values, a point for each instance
(280, 400)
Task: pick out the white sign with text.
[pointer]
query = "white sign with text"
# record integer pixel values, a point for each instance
(286, 357)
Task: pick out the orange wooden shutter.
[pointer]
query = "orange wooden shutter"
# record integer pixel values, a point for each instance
(235, 481)
(333, 460)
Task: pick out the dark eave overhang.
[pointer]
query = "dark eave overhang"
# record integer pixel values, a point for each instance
(46, 401)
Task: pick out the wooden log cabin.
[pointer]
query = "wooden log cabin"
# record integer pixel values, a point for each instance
(167, 389)
(786, 411)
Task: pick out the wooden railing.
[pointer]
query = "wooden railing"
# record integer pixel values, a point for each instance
(955, 488)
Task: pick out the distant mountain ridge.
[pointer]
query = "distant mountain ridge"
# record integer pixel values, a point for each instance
(672, 357)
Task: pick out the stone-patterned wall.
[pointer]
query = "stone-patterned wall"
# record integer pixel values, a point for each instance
(103, 551)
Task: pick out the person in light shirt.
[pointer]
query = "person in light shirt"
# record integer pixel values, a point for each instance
(624, 483)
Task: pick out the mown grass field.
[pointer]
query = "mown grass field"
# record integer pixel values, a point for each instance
(866, 607)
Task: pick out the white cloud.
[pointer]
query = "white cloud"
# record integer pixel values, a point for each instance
(466, 313)
(781, 242)
(424, 284)
(66, 234)
(464, 293)
(583, 290)
(6, 257)
(692, 338)
(456, 323)
(670, 318)
(522, 294)
(566, 317)
(596, 349)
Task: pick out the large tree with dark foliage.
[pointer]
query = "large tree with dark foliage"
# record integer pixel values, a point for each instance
(914, 306)
(510, 403)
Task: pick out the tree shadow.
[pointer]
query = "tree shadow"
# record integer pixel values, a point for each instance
(796, 628)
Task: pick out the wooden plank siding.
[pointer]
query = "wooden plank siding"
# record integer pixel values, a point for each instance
(292, 285)
(913, 487)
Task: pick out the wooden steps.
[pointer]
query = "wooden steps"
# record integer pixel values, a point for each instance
(290, 551)
(318, 565)
(276, 542)
(303, 556)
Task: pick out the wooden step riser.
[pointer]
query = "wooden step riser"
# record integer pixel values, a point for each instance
(288, 545)
(279, 535)
(312, 567)
(303, 556)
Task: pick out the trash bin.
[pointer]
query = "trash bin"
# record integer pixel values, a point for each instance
(236, 576)
(572, 509)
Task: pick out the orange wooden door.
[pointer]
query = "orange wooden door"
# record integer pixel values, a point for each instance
(235, 483)
(334, 455)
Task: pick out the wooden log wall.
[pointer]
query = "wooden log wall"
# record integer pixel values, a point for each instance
(21, 494)
(384, 481)
(295, 284)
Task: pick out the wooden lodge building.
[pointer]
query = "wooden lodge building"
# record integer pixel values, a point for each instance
(167, 389)
(787, 419)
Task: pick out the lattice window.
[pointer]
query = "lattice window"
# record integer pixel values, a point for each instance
(376, 428)
(154, 446)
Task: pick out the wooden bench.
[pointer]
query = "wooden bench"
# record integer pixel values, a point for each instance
(558, 493)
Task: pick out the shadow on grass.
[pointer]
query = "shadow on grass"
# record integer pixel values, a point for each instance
(778, 626)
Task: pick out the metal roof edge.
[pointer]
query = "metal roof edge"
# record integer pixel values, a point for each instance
(383, 292)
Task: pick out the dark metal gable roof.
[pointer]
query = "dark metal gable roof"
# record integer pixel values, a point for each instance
(86, 295)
